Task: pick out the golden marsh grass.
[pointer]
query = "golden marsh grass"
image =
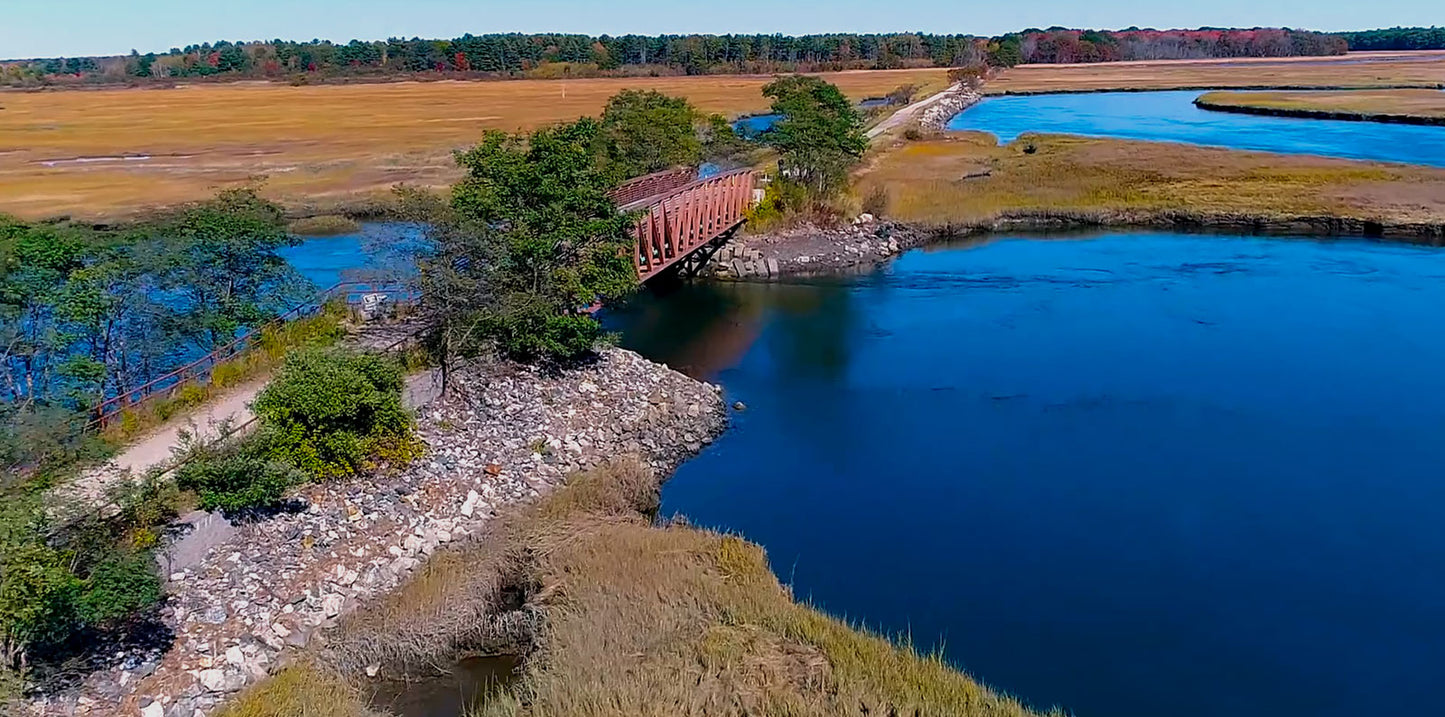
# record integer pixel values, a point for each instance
(113, 153)
(968, 177)
(1363, 103)
(631, 619)
(1419, 69)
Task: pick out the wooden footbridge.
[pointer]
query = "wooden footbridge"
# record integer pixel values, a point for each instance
(683, 220)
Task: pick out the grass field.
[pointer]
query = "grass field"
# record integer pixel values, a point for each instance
(1363, 104)
(968, 178)
(1418, 69)
(112, 153)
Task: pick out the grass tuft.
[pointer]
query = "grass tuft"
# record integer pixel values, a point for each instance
(324, 226)
(301, 690)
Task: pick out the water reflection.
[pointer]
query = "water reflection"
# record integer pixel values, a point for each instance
(458, 693)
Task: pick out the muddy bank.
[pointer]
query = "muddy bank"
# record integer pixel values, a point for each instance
(812, 250)
(1319, 114)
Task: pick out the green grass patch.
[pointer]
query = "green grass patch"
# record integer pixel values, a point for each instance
(969, 177)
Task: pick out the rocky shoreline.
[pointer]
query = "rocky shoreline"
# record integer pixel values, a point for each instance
(258, 593)
(811, 250)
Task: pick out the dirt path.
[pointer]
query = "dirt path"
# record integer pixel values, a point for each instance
(903, 116)
(156, 449)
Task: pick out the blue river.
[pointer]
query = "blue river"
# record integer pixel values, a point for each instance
(1130, 474)
(1172, 117)
(374, 253)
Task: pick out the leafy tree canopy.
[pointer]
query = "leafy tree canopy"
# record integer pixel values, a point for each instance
(646, 131)
(820, 135)
(223, 260)
(557, 243)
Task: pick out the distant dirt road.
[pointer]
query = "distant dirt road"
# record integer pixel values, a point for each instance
(903, 116)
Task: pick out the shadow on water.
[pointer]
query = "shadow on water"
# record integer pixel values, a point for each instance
(454, 694)
(703, 328)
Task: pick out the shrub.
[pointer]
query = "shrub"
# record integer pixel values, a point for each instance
(37, 597)
(121, 585)
(903, 95)
(146, 506)
(781, 200)
(329, 413)
(528, 330)
(913, 134)
(238, 478)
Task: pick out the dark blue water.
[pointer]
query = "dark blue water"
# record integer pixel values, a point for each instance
(1133, 475)
(371, 254)
(1172, 117)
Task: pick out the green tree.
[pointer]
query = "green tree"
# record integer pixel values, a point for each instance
(820, 136)
(1005, 53)
(223, 263)
(647, 131)
(36, 262)
(454, 266)
(557, 242)
(721, 143)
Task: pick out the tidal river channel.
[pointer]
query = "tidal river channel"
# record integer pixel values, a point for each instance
(1129, 474)
(1172, 117)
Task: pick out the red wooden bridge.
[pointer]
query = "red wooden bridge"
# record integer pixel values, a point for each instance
(683, 221)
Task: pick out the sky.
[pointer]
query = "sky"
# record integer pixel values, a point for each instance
(50, 28)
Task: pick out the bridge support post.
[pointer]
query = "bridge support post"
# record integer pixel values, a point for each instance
(693, 264)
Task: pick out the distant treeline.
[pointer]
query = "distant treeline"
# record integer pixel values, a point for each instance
(516, 55)
(1398, 38)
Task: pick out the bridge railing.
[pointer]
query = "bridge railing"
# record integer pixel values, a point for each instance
(636, 190)
(690, 217)
(199, 371)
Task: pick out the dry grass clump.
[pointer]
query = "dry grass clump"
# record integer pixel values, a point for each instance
(301, 690)
(677, 621)
(628, 619)
(968, 177)
(1363, 104)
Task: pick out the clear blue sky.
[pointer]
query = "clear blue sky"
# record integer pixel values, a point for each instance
(45, 28)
